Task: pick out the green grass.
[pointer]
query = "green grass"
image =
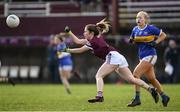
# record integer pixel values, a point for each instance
(47, 97)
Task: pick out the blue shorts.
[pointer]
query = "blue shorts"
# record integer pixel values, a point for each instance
(65, 62)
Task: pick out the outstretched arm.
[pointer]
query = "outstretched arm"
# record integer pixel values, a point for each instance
(74, 37)
(78, 50)
(77, 40)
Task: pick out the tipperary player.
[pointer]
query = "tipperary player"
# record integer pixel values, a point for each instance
(147, 37)
(64, 61)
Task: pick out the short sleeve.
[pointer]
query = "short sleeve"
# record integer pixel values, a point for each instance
(88, 44)
(155, 31)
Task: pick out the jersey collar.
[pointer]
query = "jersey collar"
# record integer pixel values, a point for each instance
(142, 28)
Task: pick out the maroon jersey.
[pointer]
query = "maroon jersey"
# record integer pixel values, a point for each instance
(99, 47)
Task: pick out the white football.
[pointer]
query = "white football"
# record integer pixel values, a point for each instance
(12, 21)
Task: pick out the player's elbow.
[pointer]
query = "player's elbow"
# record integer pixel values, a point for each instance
(163, 35)
(80, 50)
(76, 41)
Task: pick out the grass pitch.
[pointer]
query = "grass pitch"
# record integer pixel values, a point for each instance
(49, 97)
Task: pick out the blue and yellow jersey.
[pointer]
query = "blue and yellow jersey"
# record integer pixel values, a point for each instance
(142, 37)
(60, 54)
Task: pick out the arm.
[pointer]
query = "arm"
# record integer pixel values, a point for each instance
(161, 38)
(131, 39)
(76, 39)
(78, 50)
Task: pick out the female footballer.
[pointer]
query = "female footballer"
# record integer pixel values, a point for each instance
(147, 37)
(64, 60)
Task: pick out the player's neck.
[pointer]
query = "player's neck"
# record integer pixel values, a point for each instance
(142, 26)
(90, 38)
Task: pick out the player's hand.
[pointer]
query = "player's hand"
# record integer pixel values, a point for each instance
(131, 40)
(67, 29)
(152, 44)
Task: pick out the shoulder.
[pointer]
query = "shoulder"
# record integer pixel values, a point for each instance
(62, 44)
(151, 27)
(99, 36)
(88, 43)
(135, 28)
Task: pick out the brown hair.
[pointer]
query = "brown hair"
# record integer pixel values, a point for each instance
(93, 28)
(100, 27)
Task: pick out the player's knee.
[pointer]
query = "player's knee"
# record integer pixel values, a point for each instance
(131, 80)
(63, 77)
(136, 76)
(152, 79)
(63, 80)
(98, 76)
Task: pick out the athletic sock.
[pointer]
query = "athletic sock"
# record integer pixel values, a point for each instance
(137, 96)
(100, 94)
(162, 94)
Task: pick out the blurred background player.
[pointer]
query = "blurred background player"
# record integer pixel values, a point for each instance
(144, 36)
(64, 61)
(171, 58)
(114, 61)
(6, 79)
(53, 61)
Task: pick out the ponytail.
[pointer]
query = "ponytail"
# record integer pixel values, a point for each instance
(103, 26)
(100, 27)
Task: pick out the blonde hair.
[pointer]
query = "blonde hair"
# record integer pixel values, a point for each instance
(103, 26)
(146, 16)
